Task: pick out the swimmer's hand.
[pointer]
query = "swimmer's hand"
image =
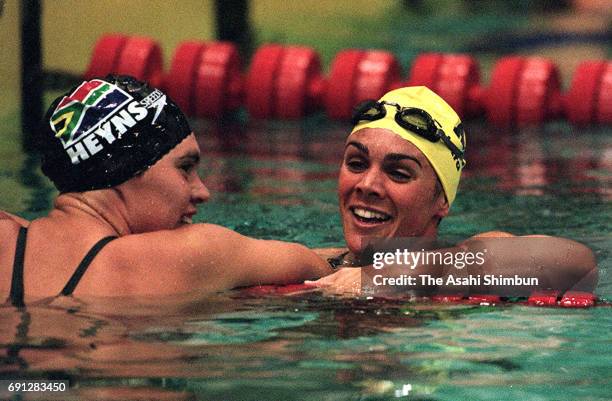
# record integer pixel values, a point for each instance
(346, 281)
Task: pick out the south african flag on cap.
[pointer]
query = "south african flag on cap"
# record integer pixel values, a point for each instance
(89, 105)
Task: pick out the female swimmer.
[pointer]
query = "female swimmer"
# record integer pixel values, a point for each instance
(125, 162)
(399, 176)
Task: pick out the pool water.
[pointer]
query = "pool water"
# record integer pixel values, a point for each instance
(277, 180)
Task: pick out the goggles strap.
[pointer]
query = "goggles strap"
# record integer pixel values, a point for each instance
(361, 113)
(458, 153)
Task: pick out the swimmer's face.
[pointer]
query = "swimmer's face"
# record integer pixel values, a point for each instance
(386, 188)
(167, 194)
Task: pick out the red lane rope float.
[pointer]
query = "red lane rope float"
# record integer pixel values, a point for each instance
(183, 71)
(522, 91)
(286, 81)
(447, 298)
(219, 66)
(298, 67)
(105, 56)
(583, 98)
(260, 81)
(357, 75)
(501, 94)
(141, 58)
(340, 96)
(604, 98)
(377, 72)
(138, 56)
(539, 81)
(577, 299)
(543, 298)
(277, 289)
(452, 76)
(571, 299)
(425, 69)
(483, 299)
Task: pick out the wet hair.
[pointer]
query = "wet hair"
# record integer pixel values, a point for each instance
(105, 131)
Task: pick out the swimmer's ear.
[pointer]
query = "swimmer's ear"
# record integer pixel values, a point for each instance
(441, 205)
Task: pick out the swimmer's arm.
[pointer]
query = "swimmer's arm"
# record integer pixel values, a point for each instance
(19, 220)
(558, 263)
(208, 257)
(493, 234)
(248, 261)
(277, 262)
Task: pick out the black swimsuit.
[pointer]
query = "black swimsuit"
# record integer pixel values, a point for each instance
(16, 296)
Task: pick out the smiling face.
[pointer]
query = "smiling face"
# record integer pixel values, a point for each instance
(387, 188)
(167, 194)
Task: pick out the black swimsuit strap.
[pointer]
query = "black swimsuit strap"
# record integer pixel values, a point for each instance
(78, 273)
(16, 295)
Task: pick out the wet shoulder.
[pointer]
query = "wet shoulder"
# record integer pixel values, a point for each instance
(160, 262)
(180, 244)
(184, 249)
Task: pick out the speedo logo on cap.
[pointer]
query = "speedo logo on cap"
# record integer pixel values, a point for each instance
(96, 114)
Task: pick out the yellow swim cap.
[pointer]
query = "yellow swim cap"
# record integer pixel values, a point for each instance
(447, 166)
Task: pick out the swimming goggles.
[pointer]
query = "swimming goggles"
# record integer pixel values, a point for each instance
(412, 119)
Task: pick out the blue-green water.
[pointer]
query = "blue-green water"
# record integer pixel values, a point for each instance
(277, 180)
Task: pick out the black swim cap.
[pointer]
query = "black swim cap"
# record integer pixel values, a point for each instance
(105, 131)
